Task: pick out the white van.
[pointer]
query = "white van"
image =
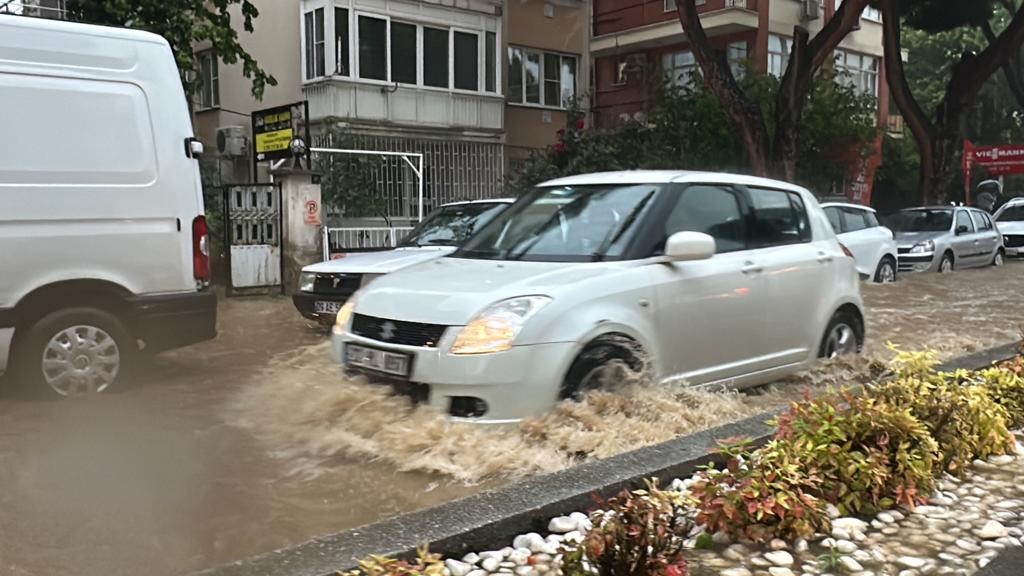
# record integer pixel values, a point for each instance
(102, 235)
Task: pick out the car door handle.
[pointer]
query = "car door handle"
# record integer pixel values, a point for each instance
(824, 257)
(751, 268)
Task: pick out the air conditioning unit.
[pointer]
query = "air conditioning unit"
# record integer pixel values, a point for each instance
(233, 141)
(811, 9)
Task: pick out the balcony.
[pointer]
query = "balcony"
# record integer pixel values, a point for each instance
(404, 105)
(652, 23)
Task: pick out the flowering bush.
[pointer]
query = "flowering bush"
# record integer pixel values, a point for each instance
(426, 564)
(634, 534)
(760, 495)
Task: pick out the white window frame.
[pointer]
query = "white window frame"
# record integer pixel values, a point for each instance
(869, 13)
(214, 80)
(672, 72)
(787, 47)
(540, 77)
(333, 29)
(737, 65)
(860, 75)
(328, 34)
(481, 56)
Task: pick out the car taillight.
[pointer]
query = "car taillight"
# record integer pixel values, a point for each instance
(846, 250)
(200, 249)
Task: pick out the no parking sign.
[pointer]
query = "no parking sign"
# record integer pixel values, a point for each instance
(313, 213)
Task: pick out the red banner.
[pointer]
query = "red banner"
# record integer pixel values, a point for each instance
(998, 160)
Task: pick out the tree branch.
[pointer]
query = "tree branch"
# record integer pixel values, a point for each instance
(919, 123)
(1010, 71)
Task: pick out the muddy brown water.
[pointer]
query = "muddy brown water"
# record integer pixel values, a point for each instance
(252, 442)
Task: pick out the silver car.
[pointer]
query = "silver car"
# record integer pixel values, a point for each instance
(943, 238)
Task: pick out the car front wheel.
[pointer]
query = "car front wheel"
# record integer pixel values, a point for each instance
(999, 258)
(604, 364)
(843, 337)
(946, 266)
(886, 271)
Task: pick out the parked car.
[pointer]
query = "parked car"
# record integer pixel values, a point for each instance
(324, 287)
(701, 277)
(944, 238)
(104, 241)
(1010, 222)
(872, 244)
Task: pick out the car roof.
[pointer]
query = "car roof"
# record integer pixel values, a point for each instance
(483, 201)
(848, 205)
(669, 176)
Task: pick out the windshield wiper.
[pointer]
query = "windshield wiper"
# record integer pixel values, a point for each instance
(538, 233)
(617, 233)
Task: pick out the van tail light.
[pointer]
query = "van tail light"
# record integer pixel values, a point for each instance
(200, 249)
(846, 250)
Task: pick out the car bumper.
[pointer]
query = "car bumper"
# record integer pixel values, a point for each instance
(908, 263)
(443, 380)
(305, 303)
(1018, 251)
(171, 321)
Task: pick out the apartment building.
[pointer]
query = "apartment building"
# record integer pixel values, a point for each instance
(470, 84)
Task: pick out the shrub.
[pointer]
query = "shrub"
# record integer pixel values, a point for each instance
(959, 414)
(426, 564)
(1005, 384)
(634, 534)
(868, 456)
(760, 495)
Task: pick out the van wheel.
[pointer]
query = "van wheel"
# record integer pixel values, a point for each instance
(604, 364)
(75, 351)
(946, 266)
(886, 271)
(843, 337)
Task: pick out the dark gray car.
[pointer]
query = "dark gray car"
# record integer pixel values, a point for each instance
(942, 238)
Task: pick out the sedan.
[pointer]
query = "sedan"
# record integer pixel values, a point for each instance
(944, 238)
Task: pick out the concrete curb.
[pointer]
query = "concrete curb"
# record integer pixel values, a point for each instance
(1010, 562)
(489, 520)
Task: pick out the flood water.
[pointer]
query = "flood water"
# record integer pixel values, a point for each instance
(252, 442)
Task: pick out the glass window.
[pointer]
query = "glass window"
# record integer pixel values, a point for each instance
(712, 210)
(854, 220)
(979, 221)
(963, 220)
(859, 71)
(515, 74)
(314, 40)
(872, 219)
(778, 54)
(435, 57)
(490, 54)
(552, 80)
(209, 80)
(680, 68)
(372, 48)
(452, 225)
(833, 216)
(737, 56)
(779, 218)
(1011, 214)
(403, 53)
(564, 224)
(532, 81)
(467, 61)
(341, 42)
(568, 80)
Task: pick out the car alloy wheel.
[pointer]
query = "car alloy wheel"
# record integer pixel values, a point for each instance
(946, 266)
(841, 341)
(887, 272)
(998, 260)
(80, 360)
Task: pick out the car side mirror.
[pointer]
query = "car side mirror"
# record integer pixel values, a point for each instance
(961, 229)
(689, 246)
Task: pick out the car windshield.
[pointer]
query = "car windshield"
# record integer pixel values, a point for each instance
(453, 225)
(1012, 214)
(922, 220)
(564, 224)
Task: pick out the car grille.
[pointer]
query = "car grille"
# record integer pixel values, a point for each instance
(397, 331)
(903, 250)
(1013, 241)
(337, 284)
(907, 262)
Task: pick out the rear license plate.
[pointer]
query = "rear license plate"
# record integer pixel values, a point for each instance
(324, 307)
(379, 360)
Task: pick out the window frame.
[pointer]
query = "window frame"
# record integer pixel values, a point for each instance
(806, 238)
(675, 195)
(859, 74)
(214, 80)
(970, 219)
(786, 44)
(525, 51)
(309, 43)
(672, 73)
(858, 212)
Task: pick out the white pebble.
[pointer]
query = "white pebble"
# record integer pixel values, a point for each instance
(582, 521)
(779, 558)
(457, 568)
(471, 558)
(490, 564)
(561, 525)
(845, 546)
(520, 557)
(992, 530)
(735, 572)
(524, 571)
(780, 571)
(778, 544)
(832, 511)
(886, 518)
(910, 562)
(477, 572)
(800, 545)
(1001, 460)
(850, 564)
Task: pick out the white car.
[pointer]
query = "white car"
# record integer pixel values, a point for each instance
(325, 286)
(702, 277)
(1010, 223)
(872, 244)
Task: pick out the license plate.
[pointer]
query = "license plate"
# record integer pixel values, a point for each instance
(379, 360)
(324, 307)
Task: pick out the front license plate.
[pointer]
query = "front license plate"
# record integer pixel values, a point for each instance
(324, 307)
(379, 360)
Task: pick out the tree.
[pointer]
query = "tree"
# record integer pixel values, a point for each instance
(184, 23)
(939, 137)
(349, 181)
(770, 154)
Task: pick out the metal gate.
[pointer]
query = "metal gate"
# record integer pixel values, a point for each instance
(254, 222)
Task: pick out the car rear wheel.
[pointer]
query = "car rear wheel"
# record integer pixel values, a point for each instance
(999, 258)
(75, 351)
(946, 266)
(604, 364)
(886, 271)
(843, 337)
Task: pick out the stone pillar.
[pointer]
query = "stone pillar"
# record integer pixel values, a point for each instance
(302, 210)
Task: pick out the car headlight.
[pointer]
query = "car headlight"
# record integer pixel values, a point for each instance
(306, 281)
(923, 247)
(345, 314)
(494, 329)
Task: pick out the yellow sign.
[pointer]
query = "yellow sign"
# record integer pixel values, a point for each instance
(277, 141)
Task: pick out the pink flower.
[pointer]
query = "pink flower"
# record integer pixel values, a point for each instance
(581, 124)
(559, 147)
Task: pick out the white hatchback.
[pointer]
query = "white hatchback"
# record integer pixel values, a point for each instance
(1010, 223)
(703, 277)
(872, 244)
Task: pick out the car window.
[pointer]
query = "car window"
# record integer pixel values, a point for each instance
(713, 210)
(963, 219)
(1014, 213)
(872, 219)
(833, 216)
(780, 218)
(979, 221)
(854, 220)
